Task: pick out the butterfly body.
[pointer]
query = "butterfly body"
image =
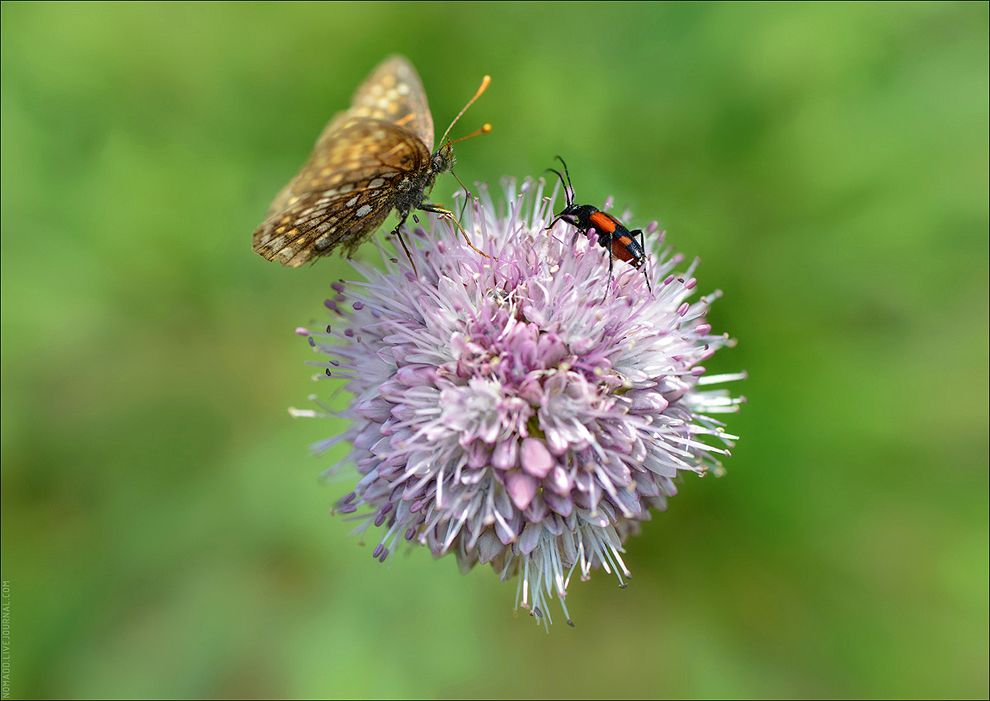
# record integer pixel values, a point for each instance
(370, 160)
(412, 191)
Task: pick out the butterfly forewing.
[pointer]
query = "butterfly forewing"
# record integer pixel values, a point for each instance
(343, 193)
(394, 92)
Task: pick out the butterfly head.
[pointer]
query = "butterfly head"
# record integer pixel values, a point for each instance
(442, 159)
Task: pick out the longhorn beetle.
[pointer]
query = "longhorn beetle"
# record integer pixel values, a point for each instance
(613, 235)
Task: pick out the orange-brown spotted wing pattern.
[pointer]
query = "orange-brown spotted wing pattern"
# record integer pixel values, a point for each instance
(350, 183)
(343, 193)
(393, 92)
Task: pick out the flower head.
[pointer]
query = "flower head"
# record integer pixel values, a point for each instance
(510, 411)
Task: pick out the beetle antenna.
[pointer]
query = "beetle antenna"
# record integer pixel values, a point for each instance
(568, 190)
(568, 174)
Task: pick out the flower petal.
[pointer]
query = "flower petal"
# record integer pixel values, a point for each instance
(536, 459)
(505, 453)
(521, 488)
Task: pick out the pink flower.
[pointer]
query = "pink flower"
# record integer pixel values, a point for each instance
(505, 413)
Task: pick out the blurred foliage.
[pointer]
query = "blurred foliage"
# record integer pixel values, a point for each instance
(164, 533)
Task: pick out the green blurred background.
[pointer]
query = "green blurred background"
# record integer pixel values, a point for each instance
(164, 531)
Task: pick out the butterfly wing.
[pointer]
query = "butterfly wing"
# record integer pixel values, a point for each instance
(393, 92)
(343, 193)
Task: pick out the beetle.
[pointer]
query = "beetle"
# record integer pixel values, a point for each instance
(628, 246)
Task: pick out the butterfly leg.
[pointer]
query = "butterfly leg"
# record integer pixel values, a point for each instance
(467, 194)
(447, 214)
(402, 240)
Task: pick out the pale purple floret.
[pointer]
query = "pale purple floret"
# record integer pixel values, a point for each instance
(504, 412)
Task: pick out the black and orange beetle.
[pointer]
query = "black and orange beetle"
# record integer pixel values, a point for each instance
(628, 246)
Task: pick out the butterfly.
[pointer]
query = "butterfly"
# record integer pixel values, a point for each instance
(374, 157)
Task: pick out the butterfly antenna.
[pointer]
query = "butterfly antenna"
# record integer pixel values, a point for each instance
(481, 89)
(486, 128)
